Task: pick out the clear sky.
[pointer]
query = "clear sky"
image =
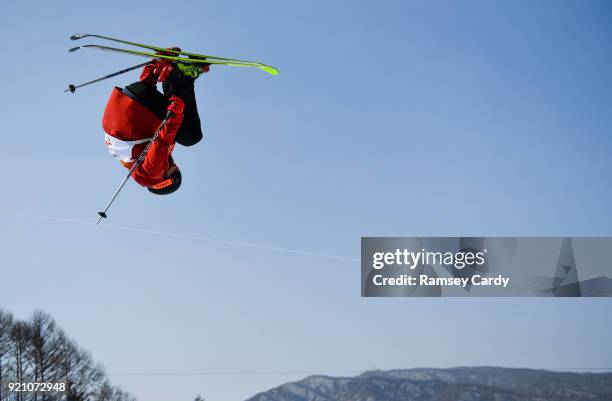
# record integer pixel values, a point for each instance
(389, 118)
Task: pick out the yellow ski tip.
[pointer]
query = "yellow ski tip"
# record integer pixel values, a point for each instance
(269, 69)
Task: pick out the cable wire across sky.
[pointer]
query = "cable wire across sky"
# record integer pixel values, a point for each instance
(182, 236)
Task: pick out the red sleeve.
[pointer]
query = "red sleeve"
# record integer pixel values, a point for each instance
(155, 165)
(148, 75)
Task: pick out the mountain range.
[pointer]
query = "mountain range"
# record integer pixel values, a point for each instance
(454, 384)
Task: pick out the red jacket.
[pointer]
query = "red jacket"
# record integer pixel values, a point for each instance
(129, 125)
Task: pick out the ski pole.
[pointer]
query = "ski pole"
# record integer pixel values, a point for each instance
(138, 161)
(73, 88)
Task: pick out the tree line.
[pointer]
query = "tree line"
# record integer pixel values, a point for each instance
(38, 351)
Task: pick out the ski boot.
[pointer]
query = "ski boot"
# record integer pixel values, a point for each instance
(192, 70)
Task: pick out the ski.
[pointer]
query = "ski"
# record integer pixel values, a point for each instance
(263, 67)
(177, 53)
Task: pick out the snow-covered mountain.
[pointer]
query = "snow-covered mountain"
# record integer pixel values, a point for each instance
(455, 384)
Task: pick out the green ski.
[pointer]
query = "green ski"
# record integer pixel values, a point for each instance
(208, 58)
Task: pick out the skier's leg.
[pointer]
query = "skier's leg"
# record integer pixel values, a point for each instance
(182, 86)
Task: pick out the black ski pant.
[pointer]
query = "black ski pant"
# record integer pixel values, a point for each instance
(190, 131)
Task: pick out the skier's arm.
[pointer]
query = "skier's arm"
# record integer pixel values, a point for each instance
(148, 75)
(155, 165)
(155, 72)
(159, 69)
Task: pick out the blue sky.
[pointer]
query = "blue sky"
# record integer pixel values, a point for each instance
(389, 118)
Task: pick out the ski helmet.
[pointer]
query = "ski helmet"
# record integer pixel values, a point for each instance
(169, 185)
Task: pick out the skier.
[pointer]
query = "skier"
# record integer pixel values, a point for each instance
(134, 113)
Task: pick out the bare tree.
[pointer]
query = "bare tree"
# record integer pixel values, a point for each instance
(20, 340)
(82, 376)
(107, 392)
(6, 326)
(39, 351)
(44, 349)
